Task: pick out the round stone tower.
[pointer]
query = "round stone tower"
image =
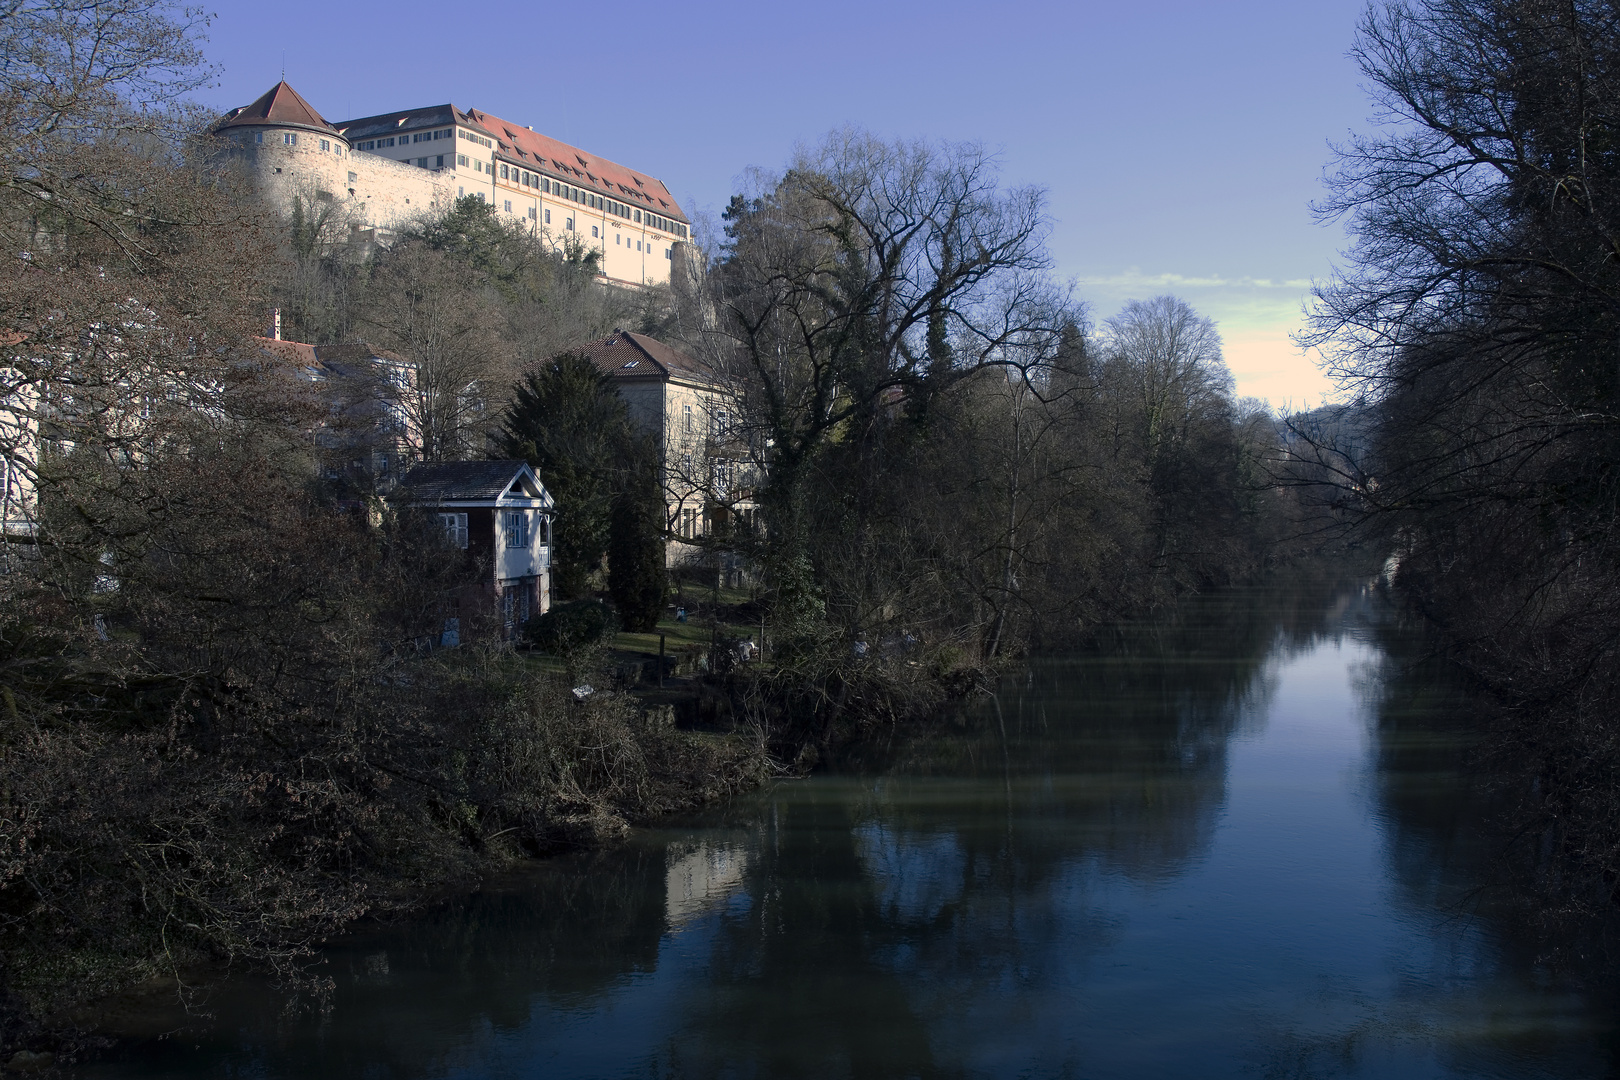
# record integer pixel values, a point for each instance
(301, 165)
(281, 117)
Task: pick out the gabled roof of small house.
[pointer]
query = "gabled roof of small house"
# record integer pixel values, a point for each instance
(467, 481)
(625, 355)
(279, 106)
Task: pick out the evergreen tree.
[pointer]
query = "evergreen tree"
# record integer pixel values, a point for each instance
(636, 573)
(568, 422)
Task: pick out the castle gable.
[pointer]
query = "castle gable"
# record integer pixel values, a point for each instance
(280, 106)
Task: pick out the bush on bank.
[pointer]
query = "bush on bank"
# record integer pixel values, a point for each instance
(143, 842)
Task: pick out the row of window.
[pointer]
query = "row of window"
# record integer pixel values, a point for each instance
(568, 224)
(509, 172)
(722, 473)
(621, 238)
(719, 422)
(694, 523)
(479, 139)
(290, 138)
(532, 214)
(667, 225)
(524, 178)
(403, 140)
(514, 527)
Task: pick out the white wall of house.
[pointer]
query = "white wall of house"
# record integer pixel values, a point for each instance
(532, 558)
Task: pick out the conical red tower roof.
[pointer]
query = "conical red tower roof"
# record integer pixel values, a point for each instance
(281, 106)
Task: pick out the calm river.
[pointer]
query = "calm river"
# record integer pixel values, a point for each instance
(1242, 843)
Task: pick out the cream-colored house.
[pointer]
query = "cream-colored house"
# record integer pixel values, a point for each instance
(709, 468)
(383, 172)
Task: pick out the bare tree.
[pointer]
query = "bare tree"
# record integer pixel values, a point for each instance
(1477, 323)
(859, 285)
(1173, 356)
(1172, 395)
(439, 313)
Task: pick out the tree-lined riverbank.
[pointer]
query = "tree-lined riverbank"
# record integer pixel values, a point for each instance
(1244, 837)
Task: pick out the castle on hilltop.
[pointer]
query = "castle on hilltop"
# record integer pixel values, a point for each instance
(387, 171)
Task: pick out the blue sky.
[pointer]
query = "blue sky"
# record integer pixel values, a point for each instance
(1180, 143)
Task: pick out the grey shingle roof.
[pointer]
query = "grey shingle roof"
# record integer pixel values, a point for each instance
(447, 480)
(364, 127)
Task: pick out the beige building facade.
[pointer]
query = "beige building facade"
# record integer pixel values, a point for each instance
(382, 173)
(709, 470)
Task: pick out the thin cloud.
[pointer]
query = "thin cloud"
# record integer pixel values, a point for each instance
(1135, 279)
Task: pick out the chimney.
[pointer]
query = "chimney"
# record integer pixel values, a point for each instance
(275, 324)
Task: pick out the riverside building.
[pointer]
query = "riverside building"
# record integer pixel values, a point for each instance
(377, 174)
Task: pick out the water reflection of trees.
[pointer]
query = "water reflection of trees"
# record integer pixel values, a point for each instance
(1118, 755)
(950, 877)
(824, 930)
(1463, 860)
(409, 1000)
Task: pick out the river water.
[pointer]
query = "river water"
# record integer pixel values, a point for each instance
(1242, 842)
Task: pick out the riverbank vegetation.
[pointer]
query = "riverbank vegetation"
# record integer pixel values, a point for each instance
(1476, 325)
(225, 729)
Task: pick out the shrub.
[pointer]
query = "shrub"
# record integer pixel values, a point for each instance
(567, 628)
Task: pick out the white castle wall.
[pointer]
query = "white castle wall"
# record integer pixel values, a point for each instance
(369, 191)
(375, 192)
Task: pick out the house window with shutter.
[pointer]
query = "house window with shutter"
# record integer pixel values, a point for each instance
(517, 529)
(455, 529)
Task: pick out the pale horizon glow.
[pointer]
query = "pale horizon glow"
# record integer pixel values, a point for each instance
(1256, 317)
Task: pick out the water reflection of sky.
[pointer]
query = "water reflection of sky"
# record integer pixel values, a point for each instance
(1206, 853)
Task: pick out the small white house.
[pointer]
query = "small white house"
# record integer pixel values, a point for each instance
(499, 513)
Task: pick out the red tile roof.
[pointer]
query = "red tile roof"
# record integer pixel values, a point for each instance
(280, 105)
(518, 144)
(331, 357)
(624, 355)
